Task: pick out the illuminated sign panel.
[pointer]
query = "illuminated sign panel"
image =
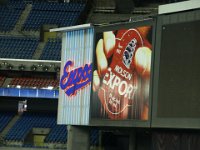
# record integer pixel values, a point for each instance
(121, 77)
(76, 74)
(119, 72)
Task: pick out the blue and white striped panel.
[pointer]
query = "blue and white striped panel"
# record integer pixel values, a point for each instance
(77, 46)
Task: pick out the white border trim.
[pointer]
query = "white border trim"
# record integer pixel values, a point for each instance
(180, 6)
(29, 60)
(83, 26)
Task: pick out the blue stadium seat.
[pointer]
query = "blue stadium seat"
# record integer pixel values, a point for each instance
(52, 50)
(23, 126)
(17, 47)
(58, 134)
(28, 121)
(9, 14)
(94, 137)
(61, 14)
(5, 117)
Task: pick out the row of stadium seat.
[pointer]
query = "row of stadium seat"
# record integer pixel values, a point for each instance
(57, 134)
(17, 4)
(9, 14)
(8, 18)
(17, 47)
(52, 6)
(28, 121)
(52, 50)
(41, 13)
(34, 82)
(24, 48)
(41, 17)
(4, 119)
(94, 137)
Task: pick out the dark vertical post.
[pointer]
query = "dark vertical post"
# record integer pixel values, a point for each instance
(132, 142)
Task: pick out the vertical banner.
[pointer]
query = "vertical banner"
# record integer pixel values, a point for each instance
(76, 75)
(121, 76)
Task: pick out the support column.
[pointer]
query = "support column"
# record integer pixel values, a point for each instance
(78, 138)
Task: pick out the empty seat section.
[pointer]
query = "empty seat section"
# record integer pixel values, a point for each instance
(17, 4)
(94, 137)
(28, 121)
(52, 6)
(9, 14)
(61, 14)
(58, 134)
(5, 118)
(17, 47)
(52, 50)
(34, 82)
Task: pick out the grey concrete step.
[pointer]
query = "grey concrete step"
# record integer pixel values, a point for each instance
(23, 18)
(39, 50)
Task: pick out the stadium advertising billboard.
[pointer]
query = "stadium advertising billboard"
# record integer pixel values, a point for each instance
(121, 74)
(106, 75)
(76, 75)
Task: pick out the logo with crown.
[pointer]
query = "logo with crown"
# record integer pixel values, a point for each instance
(129, 52)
